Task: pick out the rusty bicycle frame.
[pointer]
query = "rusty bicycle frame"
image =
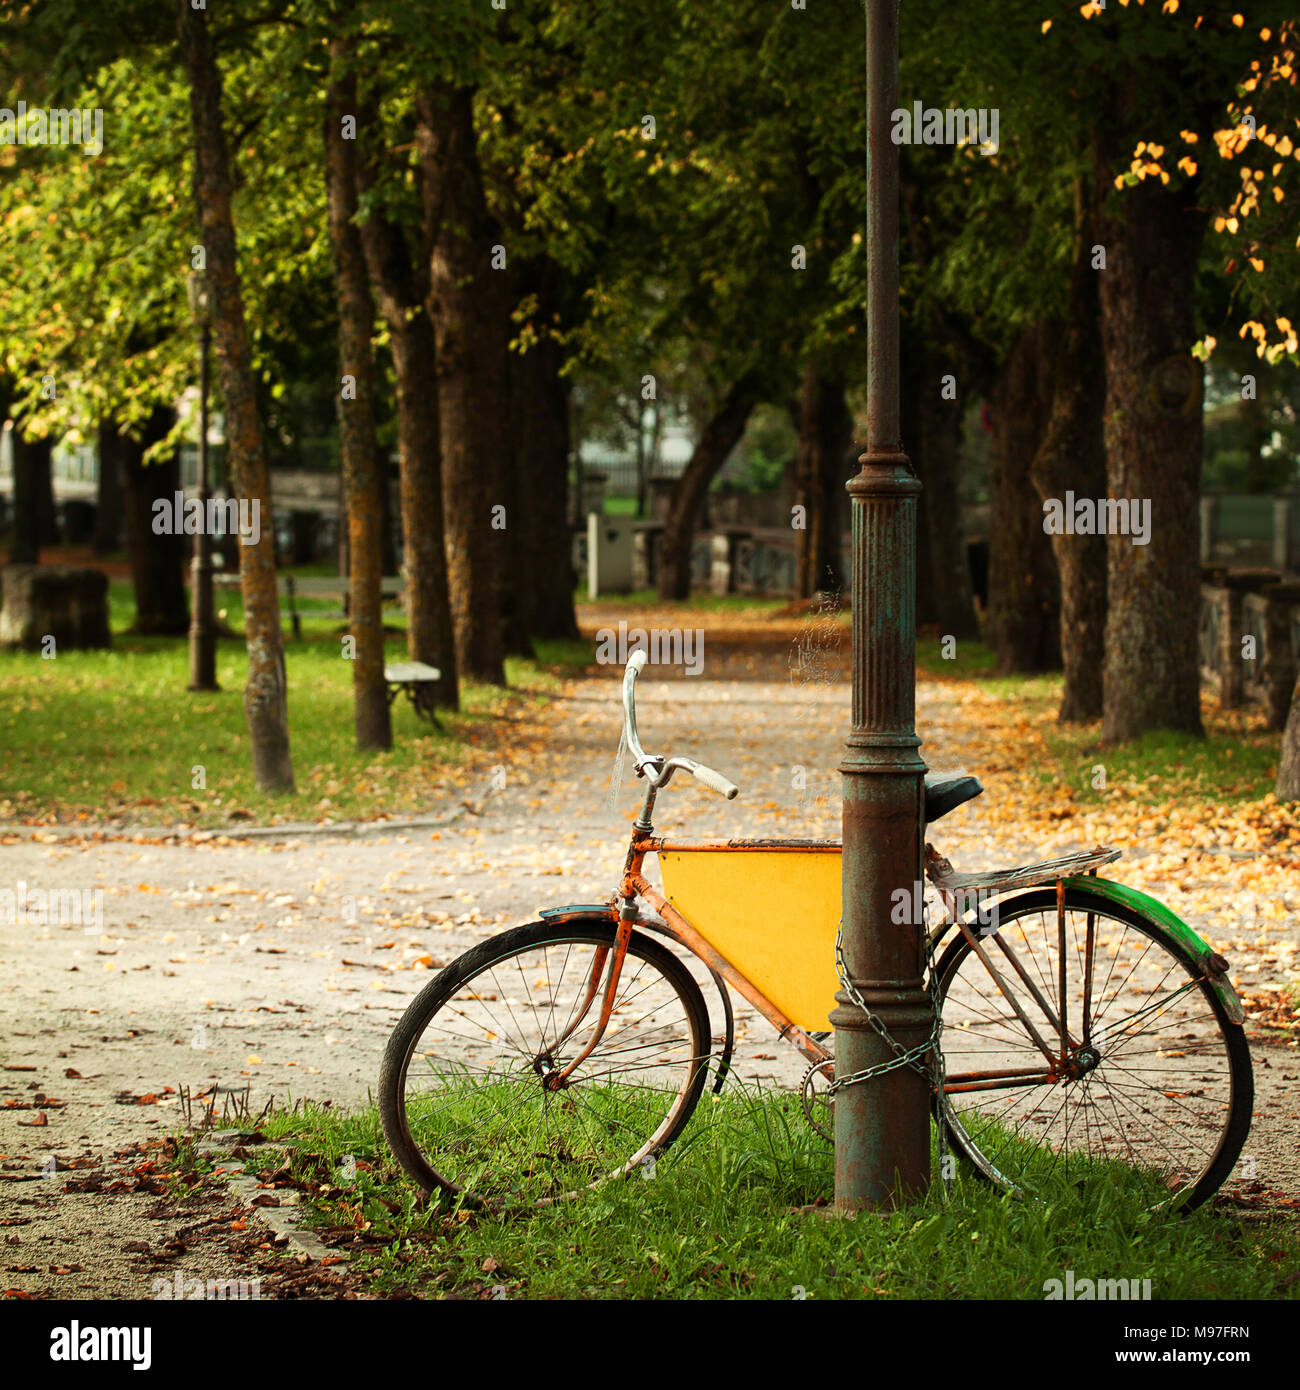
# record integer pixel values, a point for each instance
(1068, 1057)
(1068, 1061)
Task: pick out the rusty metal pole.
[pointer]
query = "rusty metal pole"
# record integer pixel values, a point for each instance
(882, 1125)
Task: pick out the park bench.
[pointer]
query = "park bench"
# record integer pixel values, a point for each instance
(326, 586)
(417, 680)
(414, 678)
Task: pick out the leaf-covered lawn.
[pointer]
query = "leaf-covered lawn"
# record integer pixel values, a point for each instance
(115, 735)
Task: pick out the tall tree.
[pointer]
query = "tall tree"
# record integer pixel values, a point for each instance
(825, 432)
(1024, 626)
(720, 436)
(157, 558)
(109, 493)
(470, 329)
(1072, 458)
(539, 400)
(938, 351)
(400, 284)
(363, 477)
(1154, 442)
(33, 497)
(936, 453)
(265, 694)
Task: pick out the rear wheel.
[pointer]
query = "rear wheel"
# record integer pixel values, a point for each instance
(1152, 1072)
(470, 1094)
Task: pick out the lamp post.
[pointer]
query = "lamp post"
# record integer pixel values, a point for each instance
(882, 1124)
(203, 628)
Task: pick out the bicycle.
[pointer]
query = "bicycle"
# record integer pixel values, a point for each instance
(1087, 1025)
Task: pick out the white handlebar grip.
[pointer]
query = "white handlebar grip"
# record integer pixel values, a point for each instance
(716, 781)
(637, 661)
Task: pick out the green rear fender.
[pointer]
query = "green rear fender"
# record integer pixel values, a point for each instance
(1213, 964)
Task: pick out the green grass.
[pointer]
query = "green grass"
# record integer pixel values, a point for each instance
(564, 653)
(720, 1218)
(968, 660)
(1231, 764)
(115, 733)
(1236, 761)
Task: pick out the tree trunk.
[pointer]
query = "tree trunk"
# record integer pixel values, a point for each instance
(938, 466)
(934, 348)
(1288, 768)
(1258, 472)
(911, 363)
(464, 304)
(836, 450)
(825, 429)
(652, 463)
(428, 615)
(400, 289)
(157, 558)
(720, 436)
(1024, 595)
(540, 426)
(1072, 457)
(109, 501)
(302, 538)
(1154, 442)
(32, 483)
(387, 540)
(265, 695)
(512, 569)
(362, 478)
(47, 516)
(638, 408)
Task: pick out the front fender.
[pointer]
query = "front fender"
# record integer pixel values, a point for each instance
(567, 914)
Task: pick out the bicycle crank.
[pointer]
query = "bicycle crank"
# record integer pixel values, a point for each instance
(815, 1096)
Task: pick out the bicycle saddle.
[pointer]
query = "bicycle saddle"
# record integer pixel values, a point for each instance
(943, 793)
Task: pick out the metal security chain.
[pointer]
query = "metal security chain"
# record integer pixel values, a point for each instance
(934, 1072)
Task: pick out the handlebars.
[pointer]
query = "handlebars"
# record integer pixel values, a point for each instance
(636, 663)
(656, 769)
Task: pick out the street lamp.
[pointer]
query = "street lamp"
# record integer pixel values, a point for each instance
(882, 1121)
(203, 628)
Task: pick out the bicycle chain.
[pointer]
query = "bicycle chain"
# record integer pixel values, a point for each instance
(934, 1072)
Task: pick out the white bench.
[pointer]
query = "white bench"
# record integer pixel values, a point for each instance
(417, 680)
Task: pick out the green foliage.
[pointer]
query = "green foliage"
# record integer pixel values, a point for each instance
(674, 255)
(768, 448)
(106, 241)
(1001, 227)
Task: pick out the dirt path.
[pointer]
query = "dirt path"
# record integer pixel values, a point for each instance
(282, 965)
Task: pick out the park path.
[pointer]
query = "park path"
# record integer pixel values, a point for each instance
(281, 964)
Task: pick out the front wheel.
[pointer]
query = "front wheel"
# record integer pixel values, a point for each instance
(470, 1093)
(1104, 1044)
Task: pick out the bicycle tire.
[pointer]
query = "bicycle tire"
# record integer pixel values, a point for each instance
(1235, 1047)
(472, 964)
